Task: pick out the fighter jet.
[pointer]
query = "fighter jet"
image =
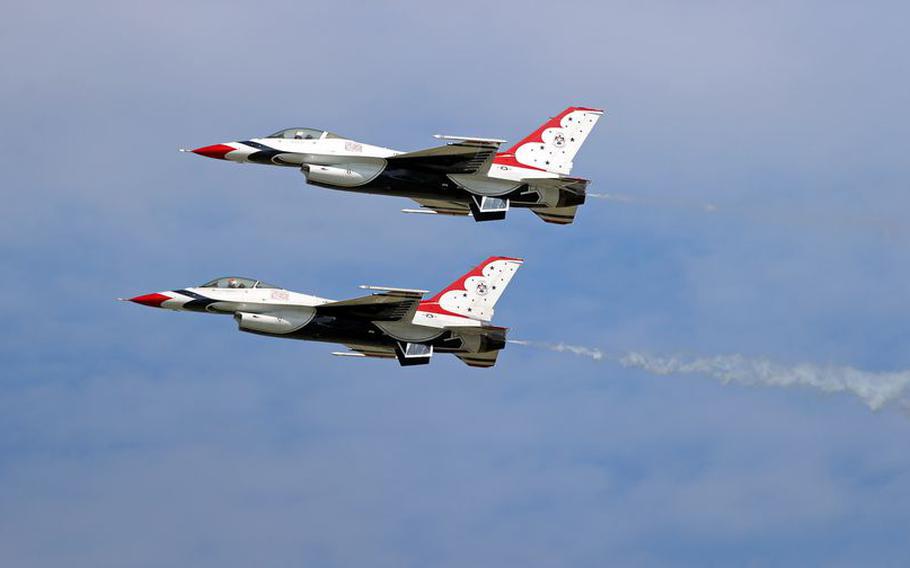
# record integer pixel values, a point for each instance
(466, 176)
(390, 323)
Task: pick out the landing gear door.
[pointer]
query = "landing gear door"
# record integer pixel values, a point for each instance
(486, 208)
(413, 353)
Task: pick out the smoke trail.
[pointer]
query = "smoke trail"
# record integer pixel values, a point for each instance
(784, 216)
(874, 389)
(621, 198)
(595, 354)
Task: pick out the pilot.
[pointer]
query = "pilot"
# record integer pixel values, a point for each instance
(234, 283)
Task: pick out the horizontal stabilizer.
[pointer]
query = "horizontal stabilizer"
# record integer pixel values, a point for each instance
(483, 360)
(557, 215)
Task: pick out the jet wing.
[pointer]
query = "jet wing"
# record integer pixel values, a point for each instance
(393, 305)
(557, 215)
(464, 157)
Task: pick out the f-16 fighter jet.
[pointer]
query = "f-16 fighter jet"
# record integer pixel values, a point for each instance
(466, 176)
(390, 323)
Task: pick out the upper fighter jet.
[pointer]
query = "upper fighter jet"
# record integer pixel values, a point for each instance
(467, 176)
(390, 323)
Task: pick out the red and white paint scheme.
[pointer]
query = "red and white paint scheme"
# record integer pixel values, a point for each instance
(551, 148)
(470, 299)
(389, 323)
(467, 176)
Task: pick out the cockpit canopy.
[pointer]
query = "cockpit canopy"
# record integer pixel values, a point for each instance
(236, 282)
(302, 134)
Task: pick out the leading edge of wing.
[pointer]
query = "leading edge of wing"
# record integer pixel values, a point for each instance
(458, 158)
(376, 307)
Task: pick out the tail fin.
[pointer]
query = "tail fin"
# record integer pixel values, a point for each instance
(557, 215)
(552, 147)
(473, 295)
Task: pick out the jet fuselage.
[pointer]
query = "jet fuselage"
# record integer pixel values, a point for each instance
(390, 323)
(465, 177)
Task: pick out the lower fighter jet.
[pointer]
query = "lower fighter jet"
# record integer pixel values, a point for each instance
(391, 323)
(467, 176)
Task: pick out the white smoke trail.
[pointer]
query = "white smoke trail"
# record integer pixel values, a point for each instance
(621, 198)
(874, 389)
(595, 354)
(783, 216)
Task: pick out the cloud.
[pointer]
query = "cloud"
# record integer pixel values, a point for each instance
(136, 437)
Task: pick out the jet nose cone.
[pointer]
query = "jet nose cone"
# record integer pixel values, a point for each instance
(214, 151)
(153, 300)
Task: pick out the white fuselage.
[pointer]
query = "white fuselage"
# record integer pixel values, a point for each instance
(295, 305)
(335, 151)
(230, 300)
(323, 151)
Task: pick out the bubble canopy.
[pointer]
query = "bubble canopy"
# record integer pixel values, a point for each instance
(236, 282)
(301, 133)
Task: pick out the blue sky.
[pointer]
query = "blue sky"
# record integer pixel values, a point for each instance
(135, 437)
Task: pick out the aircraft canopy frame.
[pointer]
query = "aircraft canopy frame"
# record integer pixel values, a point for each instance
(303, 133)
(236, 282)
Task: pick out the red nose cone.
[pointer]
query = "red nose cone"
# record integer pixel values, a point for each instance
(153, 300)
(215, 151)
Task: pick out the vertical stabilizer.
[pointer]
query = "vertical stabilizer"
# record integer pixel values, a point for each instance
(552, 147)
(474, 295)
